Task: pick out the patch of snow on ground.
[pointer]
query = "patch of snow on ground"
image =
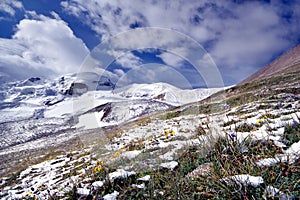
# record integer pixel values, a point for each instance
(267, 162)
(98, 184)
(145, 178)
(91, 121)
(83, 191)
(112, 196)
(131, 154)
(139, 186)
(244, 179)
(294, 149)
(120, 173)
(169, 165)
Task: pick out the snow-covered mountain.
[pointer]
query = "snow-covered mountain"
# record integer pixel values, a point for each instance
(165, 92)
(37, 107)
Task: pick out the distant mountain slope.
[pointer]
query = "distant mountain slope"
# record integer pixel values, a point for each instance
(287, 60)
(165, 92)
(36, 107)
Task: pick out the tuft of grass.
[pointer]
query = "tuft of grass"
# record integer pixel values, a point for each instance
(291, 134)
(144, 121)
(285, 177)
(72, 194)
(135, 145)
(200, 130)
(245, 127)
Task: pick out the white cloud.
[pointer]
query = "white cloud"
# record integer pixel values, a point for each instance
(122, 56)
(153, 73)
(240, 35)
(171, 59)
(129, 60)
(119, 72)
(42, 45)
(250, 37)
(10, 6)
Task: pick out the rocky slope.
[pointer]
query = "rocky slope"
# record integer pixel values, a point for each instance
(38, 114)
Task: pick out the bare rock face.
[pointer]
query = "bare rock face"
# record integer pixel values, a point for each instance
(77, 89)
(291, 59)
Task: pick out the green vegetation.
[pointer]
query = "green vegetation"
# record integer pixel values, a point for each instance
(291, 134)
(227, 158)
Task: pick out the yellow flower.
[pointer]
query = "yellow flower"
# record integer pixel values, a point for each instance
(98, 168)
(265, 117)
(259, 121)
(116, 154)
(166, 133)
(173, 133)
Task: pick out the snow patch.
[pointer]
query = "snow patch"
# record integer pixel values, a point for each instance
(83, 191)
(112, 196)
(244, 179)
(145, 178)
(131, 154)
(139, 186)
(98, 184)
(294, 149)
(120, 173)
(169, 165)
(267, 162)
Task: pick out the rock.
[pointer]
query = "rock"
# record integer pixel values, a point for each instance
(201, 170)
(77, 89)
(50, 92)
(34, 79)
(27, 91)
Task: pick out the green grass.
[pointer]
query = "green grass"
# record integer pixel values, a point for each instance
(291, 134)
(227, 158)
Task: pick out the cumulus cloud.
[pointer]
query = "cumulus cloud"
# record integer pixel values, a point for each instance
(254, 34)
(10, 6)
(237, 35)
(129, 60)
(152, 73)
(171, 59)
(44, 45)
(173, 43)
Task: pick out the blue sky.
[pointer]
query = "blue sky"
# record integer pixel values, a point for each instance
(52, 38)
